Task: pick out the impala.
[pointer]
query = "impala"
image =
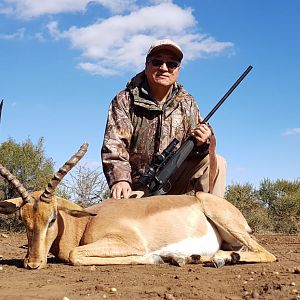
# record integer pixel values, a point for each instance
(170, 228)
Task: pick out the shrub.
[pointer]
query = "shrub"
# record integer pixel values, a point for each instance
(28, 163)
(274, 206)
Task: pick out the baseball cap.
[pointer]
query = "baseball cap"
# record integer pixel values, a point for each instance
(166, 44)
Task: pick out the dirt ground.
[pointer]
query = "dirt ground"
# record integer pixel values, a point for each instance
(279, 280)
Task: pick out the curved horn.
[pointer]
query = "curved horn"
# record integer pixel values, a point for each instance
(16, 183)
(58, 176)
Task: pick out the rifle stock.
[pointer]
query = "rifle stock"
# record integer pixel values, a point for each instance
(158, 184)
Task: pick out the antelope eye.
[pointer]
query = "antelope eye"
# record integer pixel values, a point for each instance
(52, 221)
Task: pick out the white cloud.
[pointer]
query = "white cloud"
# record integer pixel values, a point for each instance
(53, 30)
(120, 42)
(291, 131)
(97, 68)
(18, 35)
(34, 8)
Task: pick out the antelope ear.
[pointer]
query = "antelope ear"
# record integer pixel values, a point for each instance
(10, 206)
(77, 213)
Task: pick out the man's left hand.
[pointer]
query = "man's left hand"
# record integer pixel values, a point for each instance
(202, 133)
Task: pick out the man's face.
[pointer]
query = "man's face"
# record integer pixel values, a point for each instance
(162, 74)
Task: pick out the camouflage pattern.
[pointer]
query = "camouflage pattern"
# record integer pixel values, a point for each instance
(137, 128)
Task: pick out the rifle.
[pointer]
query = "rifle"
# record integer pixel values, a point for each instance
(1, 105)
(156, 177)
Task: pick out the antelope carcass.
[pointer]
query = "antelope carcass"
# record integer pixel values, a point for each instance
(169, 228)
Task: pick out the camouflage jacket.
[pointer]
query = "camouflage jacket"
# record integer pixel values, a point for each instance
(137, 128)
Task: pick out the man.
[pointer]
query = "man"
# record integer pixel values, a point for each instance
(145, 117)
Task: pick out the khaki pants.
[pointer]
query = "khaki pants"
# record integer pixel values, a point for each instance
(193, 176)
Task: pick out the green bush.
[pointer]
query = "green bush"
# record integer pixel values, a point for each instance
(245, 198)
(282, 199)
(273, 207)
(28, 163)
(11, 223)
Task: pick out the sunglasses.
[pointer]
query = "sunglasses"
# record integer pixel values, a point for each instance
(170, 64)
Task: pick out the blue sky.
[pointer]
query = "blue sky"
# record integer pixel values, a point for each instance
(63, 61)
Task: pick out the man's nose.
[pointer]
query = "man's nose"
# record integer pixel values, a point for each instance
(163, 66)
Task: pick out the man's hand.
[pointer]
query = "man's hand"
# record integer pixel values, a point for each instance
(201, 134)
(121, 189)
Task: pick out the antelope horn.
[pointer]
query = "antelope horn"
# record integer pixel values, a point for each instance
(58, 176)
(16, 183)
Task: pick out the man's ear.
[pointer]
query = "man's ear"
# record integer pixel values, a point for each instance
(10, 206)
(77, 213)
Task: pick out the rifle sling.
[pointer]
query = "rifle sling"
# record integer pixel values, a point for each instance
(212, 162)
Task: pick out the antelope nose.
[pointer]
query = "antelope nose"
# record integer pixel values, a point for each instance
(33, 265)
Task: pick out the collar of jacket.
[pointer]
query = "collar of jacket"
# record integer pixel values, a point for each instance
(139, 89)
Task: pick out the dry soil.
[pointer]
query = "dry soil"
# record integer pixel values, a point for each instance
(279, 280)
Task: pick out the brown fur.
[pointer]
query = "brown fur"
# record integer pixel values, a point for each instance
(127, 230)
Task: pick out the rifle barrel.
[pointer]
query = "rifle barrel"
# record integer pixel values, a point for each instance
(1, 105)
(227, 94)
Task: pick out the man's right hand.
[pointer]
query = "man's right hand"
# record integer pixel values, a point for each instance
(121, 189)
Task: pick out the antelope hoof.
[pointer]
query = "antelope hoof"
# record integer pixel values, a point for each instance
(219, 262)
(156, 259)
(235, 258)
(178, 261)
(174, 260)
(194, 259)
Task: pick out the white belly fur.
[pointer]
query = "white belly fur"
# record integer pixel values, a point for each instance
(207, 244)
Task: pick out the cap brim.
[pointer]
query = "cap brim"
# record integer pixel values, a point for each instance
(171, 48)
